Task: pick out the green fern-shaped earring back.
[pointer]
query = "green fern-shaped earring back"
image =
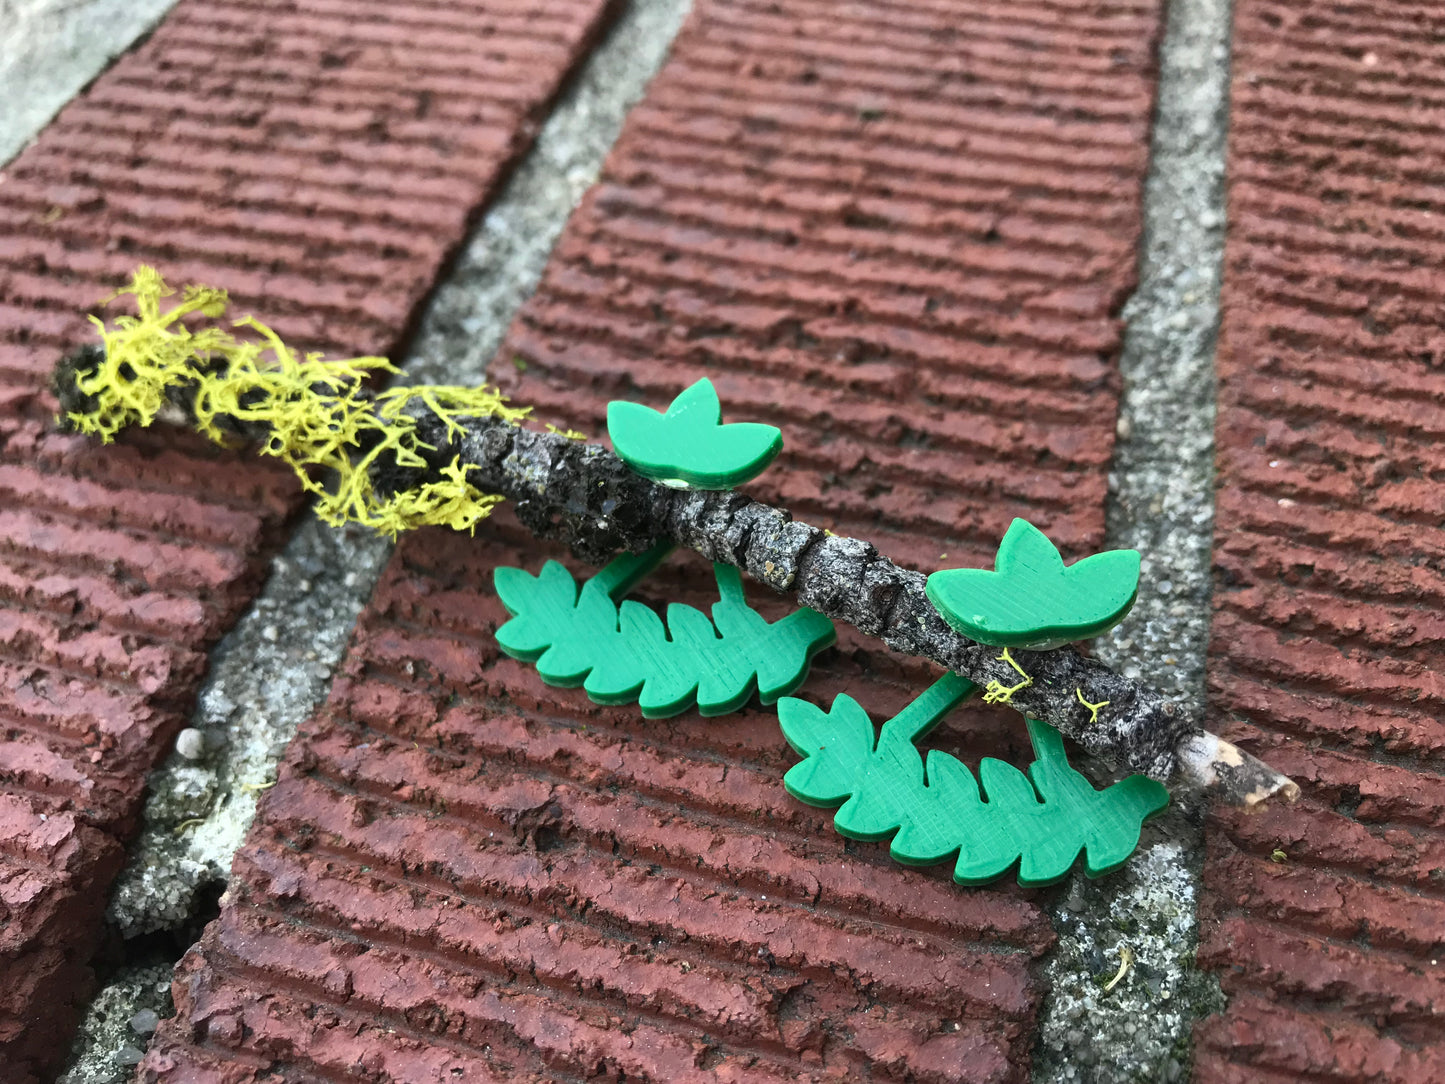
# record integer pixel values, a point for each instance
(935, 811)
(620, 651)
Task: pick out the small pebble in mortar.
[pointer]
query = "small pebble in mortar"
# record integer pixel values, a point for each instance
(191, 743)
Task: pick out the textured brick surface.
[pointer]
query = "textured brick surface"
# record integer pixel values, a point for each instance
(319, 160)
(900, 234)
(1329, 551)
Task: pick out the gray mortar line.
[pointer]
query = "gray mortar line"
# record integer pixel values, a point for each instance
(273, 670)
(51, 49)
(470, 313)
(1161, 503)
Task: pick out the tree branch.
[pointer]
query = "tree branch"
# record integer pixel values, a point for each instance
(586, 497)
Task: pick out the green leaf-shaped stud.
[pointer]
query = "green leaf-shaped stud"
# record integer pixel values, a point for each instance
(1030, 599)
(689, 446)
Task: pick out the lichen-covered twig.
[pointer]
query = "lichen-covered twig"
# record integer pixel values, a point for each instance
(412, 456)
(319, 417)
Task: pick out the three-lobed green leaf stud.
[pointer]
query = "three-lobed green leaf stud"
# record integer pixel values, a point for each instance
(689, 446)
(1030, 599)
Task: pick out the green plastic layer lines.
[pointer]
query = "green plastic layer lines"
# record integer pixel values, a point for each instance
(689, 446)
(1030, 599)
(1041, 820)
(621, 653)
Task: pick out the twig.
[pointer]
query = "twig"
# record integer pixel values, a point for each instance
(585, 496)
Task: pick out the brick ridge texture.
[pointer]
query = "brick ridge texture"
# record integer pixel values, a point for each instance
(1329, 553)
(901, 235)
(318, 159)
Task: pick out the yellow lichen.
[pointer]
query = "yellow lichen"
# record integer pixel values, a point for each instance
(453, 502)
(997, 692)
(320, 417)
(1093, 708)
(1126, 961)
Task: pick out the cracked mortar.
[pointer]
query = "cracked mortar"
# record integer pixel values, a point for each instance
(274, 668)
(118, 1023)
(266, 677)
(1161, 503)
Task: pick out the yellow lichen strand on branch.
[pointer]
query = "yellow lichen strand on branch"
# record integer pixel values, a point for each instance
(145, 354)
(318, 416)
(997, 692)
(1093, 708)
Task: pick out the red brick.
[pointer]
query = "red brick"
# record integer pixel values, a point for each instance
(162, 564)
(99, 600)
(163, 513)
(1281, 1045)
(295, 186)
(641, 826)
(917, 277)
(1324, 920)
(107, 656)
(52, 869)
(158, 462)
(1315, 900)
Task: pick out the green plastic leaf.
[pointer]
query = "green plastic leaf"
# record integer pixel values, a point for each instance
(540, 600)
(689, 445)
(1040, 822)
(1031, 599)
(930, 833)
(836, 744)
(623, 653)
(1115, 814)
